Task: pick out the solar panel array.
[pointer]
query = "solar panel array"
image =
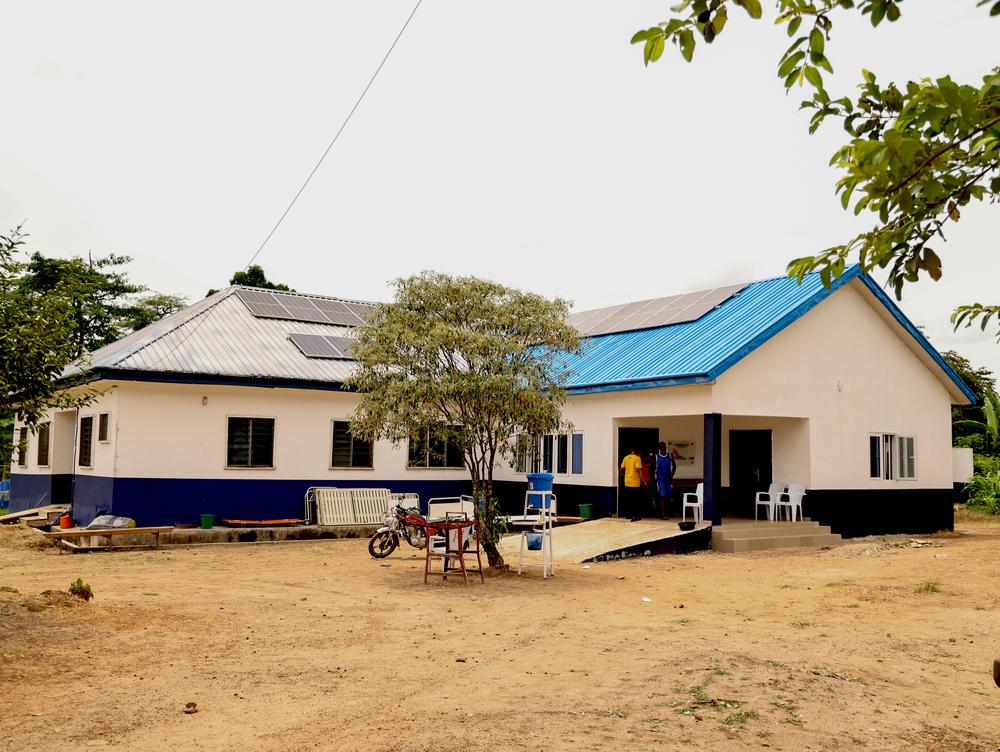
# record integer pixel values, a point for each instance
(275, 305)
(323, 346)
(649, 314)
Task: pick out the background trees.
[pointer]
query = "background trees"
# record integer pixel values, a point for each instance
(53, 311)
(253, 276)
(469, 360)
(917, 153)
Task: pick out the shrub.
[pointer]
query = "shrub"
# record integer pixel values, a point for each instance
(984, 491)
(81, 589)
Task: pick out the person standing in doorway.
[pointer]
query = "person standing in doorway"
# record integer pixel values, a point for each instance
(666, 466)
(631, 468)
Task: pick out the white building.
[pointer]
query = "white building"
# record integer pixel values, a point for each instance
(234, 407)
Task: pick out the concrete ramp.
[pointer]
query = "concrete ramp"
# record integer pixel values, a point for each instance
(607, 539)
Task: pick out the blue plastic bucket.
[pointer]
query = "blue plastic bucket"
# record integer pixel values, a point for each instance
(534, 541)
(540, 481)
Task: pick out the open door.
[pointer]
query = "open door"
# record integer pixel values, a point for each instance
(749, 470)
(643, 439)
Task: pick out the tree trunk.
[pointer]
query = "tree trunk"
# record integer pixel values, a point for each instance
(482, 488)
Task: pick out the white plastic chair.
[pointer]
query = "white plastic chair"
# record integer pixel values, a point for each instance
(697, 506)
(791, 500)
(769, 498)
(538, 518)
(795, 493)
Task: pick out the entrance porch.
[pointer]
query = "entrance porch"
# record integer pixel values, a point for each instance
(733, 456)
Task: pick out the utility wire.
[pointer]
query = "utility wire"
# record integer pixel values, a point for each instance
(326, 151)
(336, 135)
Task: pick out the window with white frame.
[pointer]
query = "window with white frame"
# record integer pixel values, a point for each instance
(103, 426)
(906, 453)
(431, 448)
(22, 447)
(43, 445)
(85, 456)
(576, 465)
(348, 449)
(250, 442)
(526, 453)
(562, 453)
(892, 457)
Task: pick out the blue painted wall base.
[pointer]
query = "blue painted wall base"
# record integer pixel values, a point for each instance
(168, 501)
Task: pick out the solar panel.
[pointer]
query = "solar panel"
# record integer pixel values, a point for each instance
(323, 346)
(649, 314)
(293, 307)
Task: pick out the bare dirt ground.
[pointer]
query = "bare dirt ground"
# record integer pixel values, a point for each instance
(314, 646)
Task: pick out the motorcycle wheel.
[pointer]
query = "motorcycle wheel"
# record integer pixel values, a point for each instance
(382, 544)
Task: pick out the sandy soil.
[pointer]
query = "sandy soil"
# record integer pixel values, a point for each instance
(314, 646)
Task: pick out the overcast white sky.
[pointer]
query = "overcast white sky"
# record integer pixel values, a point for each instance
(521, 141)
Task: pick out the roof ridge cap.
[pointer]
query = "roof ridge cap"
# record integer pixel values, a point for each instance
(304, 294)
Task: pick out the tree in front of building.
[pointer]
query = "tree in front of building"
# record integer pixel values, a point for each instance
(254, 276)
(472, 362)
(37, 342)
(918, 152)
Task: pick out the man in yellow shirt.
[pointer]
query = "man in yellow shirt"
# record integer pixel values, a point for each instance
(631, 468)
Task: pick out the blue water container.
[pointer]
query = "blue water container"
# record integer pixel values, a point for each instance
(540, 481)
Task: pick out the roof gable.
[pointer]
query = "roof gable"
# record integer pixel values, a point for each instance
(700, 351)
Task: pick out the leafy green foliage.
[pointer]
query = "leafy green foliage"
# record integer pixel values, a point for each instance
(918, 153)
(81, 589)
(36, 343)
(153, 307)
(984, 491)
(254, 276)
(469, 359)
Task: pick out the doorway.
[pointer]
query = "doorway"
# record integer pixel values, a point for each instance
(643, 439)
(749, 470)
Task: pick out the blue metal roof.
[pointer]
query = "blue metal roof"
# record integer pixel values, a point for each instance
(699, 351)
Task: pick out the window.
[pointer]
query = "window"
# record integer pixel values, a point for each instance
(577, 463)
(562, 453)
(429, 449)
(349, 451)
(22, 447)
(43, 445)
(907, 454)
(874, 456)
(547, 453)
(102, 426)
(86, 458)
(892, 457)
(250, 442)
(526, 456)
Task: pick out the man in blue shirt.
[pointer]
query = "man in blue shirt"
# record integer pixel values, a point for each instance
(665, 469)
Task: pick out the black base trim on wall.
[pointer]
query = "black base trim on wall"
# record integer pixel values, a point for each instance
(511, 496)
(856, 513)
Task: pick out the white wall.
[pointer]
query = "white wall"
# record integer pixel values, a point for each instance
(844, 367)
(962, 467)
(166, 432)
(63, 450)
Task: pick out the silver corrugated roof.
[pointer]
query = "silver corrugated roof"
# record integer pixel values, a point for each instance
(219, 336)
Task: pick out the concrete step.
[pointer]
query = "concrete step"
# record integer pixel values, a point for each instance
(765, 542)
(772, 531)
(764, 524)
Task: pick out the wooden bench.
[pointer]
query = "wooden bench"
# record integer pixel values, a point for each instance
(64, 536)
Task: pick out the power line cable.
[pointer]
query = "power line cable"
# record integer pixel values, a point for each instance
(326, 151)
(336, 135)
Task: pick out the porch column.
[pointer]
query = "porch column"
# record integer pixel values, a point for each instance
(712, 475)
